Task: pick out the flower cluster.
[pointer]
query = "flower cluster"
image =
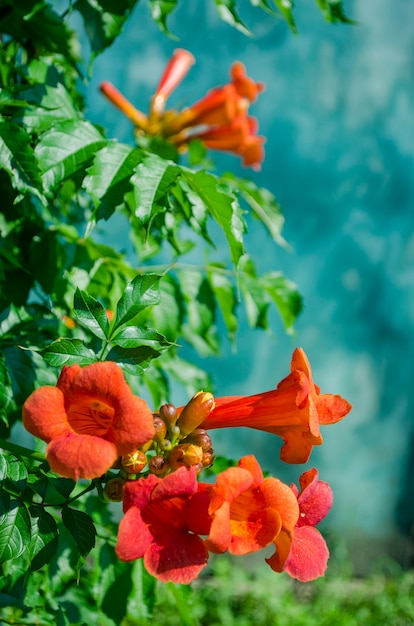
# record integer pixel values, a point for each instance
(220, 119)
(92, 423)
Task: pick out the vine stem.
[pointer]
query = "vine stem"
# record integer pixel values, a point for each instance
(14, 448)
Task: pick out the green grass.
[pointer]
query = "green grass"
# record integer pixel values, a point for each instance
(232, 595)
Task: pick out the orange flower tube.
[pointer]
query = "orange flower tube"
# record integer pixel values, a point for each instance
(174, 73)
(88, 420)
(293, 411)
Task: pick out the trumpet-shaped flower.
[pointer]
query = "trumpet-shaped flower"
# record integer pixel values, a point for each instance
(157, 526)
(89, 419)
(247, 510)
(304, 554)
(293, 411)
(219, 119)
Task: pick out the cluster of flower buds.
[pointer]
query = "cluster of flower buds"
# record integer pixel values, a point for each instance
(220, 119)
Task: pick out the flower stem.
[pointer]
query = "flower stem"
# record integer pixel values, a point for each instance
(14, 448)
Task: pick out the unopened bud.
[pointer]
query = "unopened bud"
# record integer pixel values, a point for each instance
(134, 462)
(201, 438)
(174, 431)
(186, 454)
(160, 428)
(157, 465)
(165, 445)
(114, 489)
(208, 458)
(195, 412)
(168, 413)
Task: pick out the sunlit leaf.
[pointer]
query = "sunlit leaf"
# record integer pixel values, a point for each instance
(14, 528)
(16, 472)
(18, 159)
(48, 105)
(160, 10)
(225, 294)
(199, 328)
(91, 314)
(65, 351)
(135, 336)
(228, 13)
(139, 294)
(285, 295)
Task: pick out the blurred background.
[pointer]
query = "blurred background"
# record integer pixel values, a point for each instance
(338, 115)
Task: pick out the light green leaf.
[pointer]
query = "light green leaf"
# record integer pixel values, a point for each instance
(82, 529)
(199, 329)
(139, 294)
(16, 472)
(225, 294)
(91, 314)
(255, 297)
(65, 351)
(135, 336)
(48, 105)
(160, 10)
(67, 149)
(141, 600)
(228, 13)
(285, 295)
(14, 528)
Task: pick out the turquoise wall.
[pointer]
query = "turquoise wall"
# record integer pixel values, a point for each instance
(338, 114)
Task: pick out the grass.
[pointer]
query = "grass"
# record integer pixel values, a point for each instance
(232, 595)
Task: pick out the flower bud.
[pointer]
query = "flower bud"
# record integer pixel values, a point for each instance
(185, 454)
(114, 489)
(160, 429)
(157, 465)
(200, 437)
(168, 413)
(165, 445)
(174, 431)
(134, 462)
(195, 412)
(208, 458)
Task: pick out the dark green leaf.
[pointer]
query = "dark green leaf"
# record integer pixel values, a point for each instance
(256, 298)
(16, 472)
(14, 528)
(66, 149)
(139, 294)
(44, 537)
(333, 11)
(18, 158)
(65, 351)
(91, 314)
(199, 329)
(81, 527)
(64, 486)
(133, 360)
(49, 105)
(169, 314)
(21, 371)
(108, 179)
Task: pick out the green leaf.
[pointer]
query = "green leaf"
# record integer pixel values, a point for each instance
(142, 598)
(103, 20)
(91, 314)
(285, 295)
(223, 208)
(264, 205)
(18, 159)
(133, 360)
(135, 336)
(44, 537)
(333, 11)
(228, 13)
(16, 472)
(48, 105)
(169, 314)
(65, 351)
(151, 184)
(14, 528)
(199, 329)
(225, 294)
(108, 178)
(160, 10)
(82, 529)
(21, 371)
(67, 149)
(139, 294)
(255, 297)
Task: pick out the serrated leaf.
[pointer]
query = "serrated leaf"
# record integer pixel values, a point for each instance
(48, 105)
(223, 208)
(225, 294)
(151, 183)
(21, 371)
(256, 298)
(135, 336)
(199, 328)
(66, 149)
(91, 314)
(108, 178)
(82, 529)
(44, 537)
(18, 159)
(133, 360)
(139, 294)
(333, 11)
(285, 295)
(228, 13)
(16, 472)
(64, 486)
(14, 528)
(65, 351)
(3, 468)
(142, 598)
(169, 314)
(160, 10)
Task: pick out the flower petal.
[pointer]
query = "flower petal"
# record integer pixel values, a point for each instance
(309, 554)
(44, 413)
(179, 559)
(283, 543)
(281, 497)
(255, 532)
(134, 538)
(315, 499)
(181, 483)
(80, 456)
(331, 408)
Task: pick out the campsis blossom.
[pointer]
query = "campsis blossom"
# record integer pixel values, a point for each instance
(93, 422)
(220, 119)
